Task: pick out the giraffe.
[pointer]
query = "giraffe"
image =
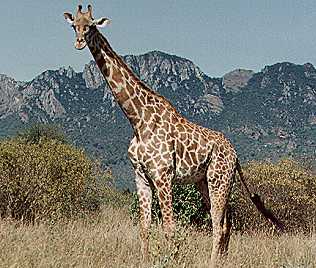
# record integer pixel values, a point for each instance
(166, 147)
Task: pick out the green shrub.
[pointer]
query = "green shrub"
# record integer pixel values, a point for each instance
(46, 179)
(187, 206)
(287, 189)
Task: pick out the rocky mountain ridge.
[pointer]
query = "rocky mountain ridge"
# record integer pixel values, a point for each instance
(268, 114)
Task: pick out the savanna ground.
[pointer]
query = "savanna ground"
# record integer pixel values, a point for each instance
(111, 240)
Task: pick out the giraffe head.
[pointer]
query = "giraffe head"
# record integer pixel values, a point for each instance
(82, 23)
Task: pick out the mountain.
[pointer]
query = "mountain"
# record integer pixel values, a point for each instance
(267, 115)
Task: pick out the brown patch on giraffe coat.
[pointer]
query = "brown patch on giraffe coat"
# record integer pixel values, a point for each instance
(163, 147)
(136, 102)
(147, 116)
(156, 117)
(122, 96)
(157, 158)
(161, 132)
(100, 62)
(142, 99)
(141, 150)
(132, 82)
(166, 155)
(172, 129)
(162, 196)
(162, 169)
(173, 119)
(156, 140)
(193, 147)
(112, 84)
(194, 159)
(125, 74)
(180, 148)
(150, 164)
(130, 90)
(188, 159)
(180, 128)
(159, 183)
(146, 135)
(152, 125)
(150, 149)
(183, 136)
(165, 125)
(117, 76)
(203, 142)
(150, 99)
(165, 115)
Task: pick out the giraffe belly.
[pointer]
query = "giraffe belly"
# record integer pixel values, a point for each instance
(191, 160)
(190, 174)
(184, 178)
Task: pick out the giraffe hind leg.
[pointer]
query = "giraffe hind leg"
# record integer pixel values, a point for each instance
(219, 189)
(203, 188)
(227, 224)
(220, 232)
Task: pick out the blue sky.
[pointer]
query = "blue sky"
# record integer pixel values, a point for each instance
(217, 35)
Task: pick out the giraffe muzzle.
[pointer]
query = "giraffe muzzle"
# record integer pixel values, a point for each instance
(80, 44)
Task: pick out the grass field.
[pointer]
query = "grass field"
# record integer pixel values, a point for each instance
(111, 240)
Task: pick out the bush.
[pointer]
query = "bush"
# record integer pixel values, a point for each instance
(187, 206)
(287, 189)
(46, 179)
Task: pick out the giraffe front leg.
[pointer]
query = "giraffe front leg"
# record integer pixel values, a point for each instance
(144, 193)
(164, 192)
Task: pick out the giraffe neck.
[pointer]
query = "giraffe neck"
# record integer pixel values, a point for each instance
(130, 93)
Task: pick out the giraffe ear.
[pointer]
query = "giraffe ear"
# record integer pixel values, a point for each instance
(102, 22)
(69, 18)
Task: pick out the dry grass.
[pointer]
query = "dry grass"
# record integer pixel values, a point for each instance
(111, 240)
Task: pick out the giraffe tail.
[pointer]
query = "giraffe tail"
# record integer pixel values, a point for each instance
(256, 200)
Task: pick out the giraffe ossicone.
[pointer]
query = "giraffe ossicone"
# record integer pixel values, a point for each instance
(166, 147)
